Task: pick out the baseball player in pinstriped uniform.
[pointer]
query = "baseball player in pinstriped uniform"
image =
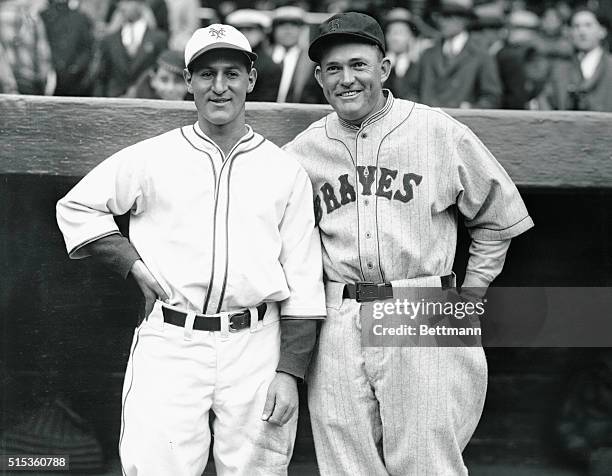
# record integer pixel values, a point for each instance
(390, 178)
(223, 244)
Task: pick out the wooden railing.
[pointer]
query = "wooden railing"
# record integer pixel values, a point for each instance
(65, 326)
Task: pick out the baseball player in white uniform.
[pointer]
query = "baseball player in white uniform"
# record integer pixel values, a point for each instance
(223, 244)
(390, 178)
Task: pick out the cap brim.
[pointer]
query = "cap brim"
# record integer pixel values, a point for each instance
(316, 47)
(220, 45)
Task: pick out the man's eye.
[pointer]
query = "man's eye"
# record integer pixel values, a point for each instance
(332, 69)
(232, 74)
(359, 64)
(206, 74)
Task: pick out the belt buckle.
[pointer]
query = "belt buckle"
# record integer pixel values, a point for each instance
(232, 323)
(366, 291)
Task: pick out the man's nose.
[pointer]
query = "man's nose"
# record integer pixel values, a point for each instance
(347, 76)
(219, 84)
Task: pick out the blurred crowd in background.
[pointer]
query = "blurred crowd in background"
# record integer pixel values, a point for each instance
(511, 54)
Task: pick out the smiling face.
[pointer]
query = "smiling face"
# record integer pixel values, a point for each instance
(352, 76)
(219, 81)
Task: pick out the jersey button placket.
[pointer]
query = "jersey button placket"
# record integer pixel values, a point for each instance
(367, 211)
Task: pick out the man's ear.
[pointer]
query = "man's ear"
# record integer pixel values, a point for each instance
(187, 76)
(252, 79)
(385, 69)
(317, 75)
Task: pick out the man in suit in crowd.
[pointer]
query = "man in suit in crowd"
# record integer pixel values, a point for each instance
(255, 25)
(404, 49)
(521, 51)
(297, 82)
(125, 54)
(584, 83)
(70, 35)
(458, 71)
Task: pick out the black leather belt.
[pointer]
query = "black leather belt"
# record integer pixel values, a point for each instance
(364, 291)
(237, 321)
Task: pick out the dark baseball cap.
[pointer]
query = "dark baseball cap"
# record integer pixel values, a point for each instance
(353, 26)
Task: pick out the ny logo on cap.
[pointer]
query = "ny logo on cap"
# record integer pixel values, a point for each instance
(334, 24)
(218, 34)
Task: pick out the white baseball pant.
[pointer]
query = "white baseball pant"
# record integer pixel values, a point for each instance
(390, 410)
(176, 375)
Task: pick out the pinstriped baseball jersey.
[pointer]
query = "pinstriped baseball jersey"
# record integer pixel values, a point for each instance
(217, 233)
(387, 193)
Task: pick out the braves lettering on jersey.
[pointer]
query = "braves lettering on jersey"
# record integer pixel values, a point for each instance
(387, 195)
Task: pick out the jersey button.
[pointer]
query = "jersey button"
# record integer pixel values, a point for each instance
(370, 266)
(364, 136)
(366, 202)
(368, 235)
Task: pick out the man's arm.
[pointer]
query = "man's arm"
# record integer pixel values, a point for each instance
(119, 255)
(484, 265)
(85, 217)
(302, 263)
(298, 338)
(493, 210)
(486, 196)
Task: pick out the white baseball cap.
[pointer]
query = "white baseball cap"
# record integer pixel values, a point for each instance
(216, 36)
(249, 17)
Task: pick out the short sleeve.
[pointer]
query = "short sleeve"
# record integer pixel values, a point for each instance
(486, 195)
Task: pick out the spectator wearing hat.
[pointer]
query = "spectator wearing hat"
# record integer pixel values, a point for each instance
(554, 35)
(404, 49)
(523, 65)
(24, 39)
(155, 13)
(490, 26)
(255, 26)
(164, 80)
(287, 51)
(183, 20)
(70, 35)
(127, 53)
(583, 83)
(458, 71)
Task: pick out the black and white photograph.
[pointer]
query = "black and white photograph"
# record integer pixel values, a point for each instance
(303, 238)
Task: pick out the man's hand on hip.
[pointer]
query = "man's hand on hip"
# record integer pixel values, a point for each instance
(282, 399)
(149, 286)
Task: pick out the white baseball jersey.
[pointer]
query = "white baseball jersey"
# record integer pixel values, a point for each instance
(387, 193)
(218, 234)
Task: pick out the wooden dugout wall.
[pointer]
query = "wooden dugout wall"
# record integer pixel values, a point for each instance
(66, 325)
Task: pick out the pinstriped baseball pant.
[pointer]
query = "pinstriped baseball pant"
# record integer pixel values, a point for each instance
(391, 410)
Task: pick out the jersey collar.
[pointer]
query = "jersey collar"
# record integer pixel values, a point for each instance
(202, 140)
(387, 119)
(374, 117)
